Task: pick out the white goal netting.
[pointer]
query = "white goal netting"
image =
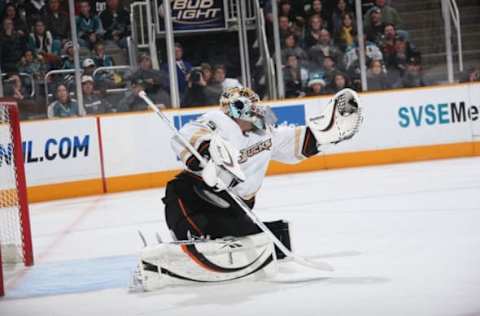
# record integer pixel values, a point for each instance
(10, 216)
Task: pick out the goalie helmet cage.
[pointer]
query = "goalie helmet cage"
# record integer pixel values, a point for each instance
(15, 233)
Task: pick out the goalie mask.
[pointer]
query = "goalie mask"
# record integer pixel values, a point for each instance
(242, 104)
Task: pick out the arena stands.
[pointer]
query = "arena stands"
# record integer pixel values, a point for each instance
(319, 52)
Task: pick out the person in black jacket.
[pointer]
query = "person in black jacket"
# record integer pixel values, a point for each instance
(155, 82)
(12, 47)
(116, 22)
(196, 95)
(57, 21)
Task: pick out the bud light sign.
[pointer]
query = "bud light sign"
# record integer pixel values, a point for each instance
(195, 15)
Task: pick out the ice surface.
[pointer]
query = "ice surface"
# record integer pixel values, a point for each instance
(404, 239)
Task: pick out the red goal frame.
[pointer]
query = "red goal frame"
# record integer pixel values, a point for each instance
(27, 248)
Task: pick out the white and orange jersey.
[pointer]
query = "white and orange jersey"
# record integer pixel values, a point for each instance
(286, 144)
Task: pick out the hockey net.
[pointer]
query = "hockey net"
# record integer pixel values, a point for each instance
(15, 235)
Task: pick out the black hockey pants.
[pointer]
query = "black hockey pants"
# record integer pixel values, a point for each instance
(192, 206)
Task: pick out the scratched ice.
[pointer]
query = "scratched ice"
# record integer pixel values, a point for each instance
(404, 239)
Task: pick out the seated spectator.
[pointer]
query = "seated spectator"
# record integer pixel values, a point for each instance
(33, 65)
(388, 14)
(291, 47)
(284, 27)
(294, 77)
(220, 74)
(58, 23)
(196, 94)
(376, 77)
(132, 102)
(104, 79)
(352, 60)
(88, 66)
(68, 61)
(316, 86)
(329, 69)
(206, 72)
(341, 9)
(89, 27)
(324, 47)
(92, 102)
(14, 88)
(387, 45)
(40, 40)
(116, 22)
(100, 58)
(19, 24)
(471, 75)
(340, 81)
(347, 32)
(183, 70)
(64, 106)
(374, 30)
(413, 75)
(219, 83)
(397, 63)
(12, 46)
(155, 82)
(316, 8)
(35, 9)
(315, 26)
(285, 9)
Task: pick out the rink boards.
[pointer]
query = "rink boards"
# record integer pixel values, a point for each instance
(110, 153)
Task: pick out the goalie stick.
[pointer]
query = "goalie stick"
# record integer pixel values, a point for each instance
(300, 260)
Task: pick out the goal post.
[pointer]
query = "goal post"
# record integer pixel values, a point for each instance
(15, 232)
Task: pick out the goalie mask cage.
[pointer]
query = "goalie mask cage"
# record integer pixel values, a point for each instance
(15, 234)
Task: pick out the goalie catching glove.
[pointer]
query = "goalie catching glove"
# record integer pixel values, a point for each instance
(339, 121)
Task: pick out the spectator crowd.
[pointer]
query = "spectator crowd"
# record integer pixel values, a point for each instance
(320, 55)
(35, 38)
(320, 51)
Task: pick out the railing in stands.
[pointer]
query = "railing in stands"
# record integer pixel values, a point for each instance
(266, 59)
(110, 68)
(450, 12)
(95, 73)
(455, 14)
(132, 52)
(232, 12)
(140, 31)
(113, 68)
(56, 72)
(24, 75)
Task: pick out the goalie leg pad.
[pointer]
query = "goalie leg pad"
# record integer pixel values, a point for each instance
(206, 261)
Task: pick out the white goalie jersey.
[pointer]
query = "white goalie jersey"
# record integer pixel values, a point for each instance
(286, 144)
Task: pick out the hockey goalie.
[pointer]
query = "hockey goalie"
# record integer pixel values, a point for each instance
(214, 239)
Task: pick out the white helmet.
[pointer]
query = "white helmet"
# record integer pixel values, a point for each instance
(243, 104)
